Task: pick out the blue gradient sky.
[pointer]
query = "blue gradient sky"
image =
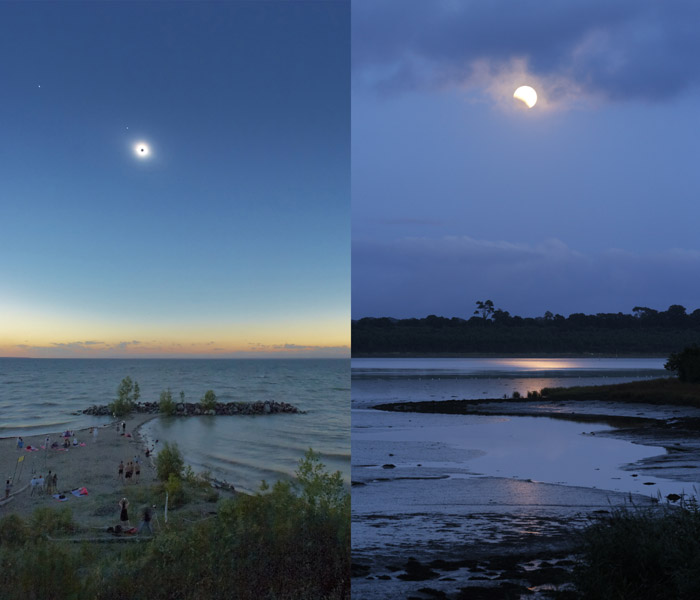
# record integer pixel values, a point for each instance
(588, 202)
(233, 238)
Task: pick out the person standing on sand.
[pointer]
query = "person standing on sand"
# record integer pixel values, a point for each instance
(34, 482)
(54, 483)
(8, 487)
(137, 472)
(49, 482)
(94, 434)
(146, 521)
(123, 427)
(129, 471)
(123, 512)
(20, 443)
(121, 471)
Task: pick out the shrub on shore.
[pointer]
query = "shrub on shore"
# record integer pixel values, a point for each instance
(166, 405)
(208, 402)
(128, 394)
(642, 554)
(169, 461)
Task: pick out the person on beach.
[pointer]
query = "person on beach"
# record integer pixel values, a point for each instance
(123, 512)
(121, 471)
(146, 520)
(33, 483)
(20, 443)
(66, 443)
(137, 472)
(8, 487)
(49, 482)
(40, 482)
(54, 483)
(75, 441)
(123, 427)
(129, 471)
(94, 434)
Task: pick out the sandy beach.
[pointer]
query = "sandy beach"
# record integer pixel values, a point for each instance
(93, 466)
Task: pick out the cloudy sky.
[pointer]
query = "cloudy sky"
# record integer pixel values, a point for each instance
(232, 238)
(587, 202)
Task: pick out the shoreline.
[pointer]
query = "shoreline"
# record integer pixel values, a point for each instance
(540, 561)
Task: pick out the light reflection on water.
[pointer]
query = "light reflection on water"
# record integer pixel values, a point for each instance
(376, 381)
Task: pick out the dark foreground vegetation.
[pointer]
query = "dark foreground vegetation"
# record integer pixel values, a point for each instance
(493, 331)
(642, 554)
(291, 541)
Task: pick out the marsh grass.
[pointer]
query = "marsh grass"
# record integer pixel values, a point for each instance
(642, 554)
(666, 390)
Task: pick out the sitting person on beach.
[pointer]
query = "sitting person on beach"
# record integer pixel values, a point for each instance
(75, 441)
(66, 443)
(54, 445)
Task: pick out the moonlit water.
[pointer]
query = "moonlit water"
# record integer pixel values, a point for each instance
(41, 395)
(377, 380)
(435, 486)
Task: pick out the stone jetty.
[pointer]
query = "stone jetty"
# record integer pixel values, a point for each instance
(190, 409)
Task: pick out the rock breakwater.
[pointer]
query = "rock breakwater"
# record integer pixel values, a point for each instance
(190, 409)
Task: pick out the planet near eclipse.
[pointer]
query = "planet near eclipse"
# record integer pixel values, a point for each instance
(527, 94)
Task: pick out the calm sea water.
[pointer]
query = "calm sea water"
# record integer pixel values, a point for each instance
(43, 395)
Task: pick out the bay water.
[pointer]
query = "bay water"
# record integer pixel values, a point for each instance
(46, 395)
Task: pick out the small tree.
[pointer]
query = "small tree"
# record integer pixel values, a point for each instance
(165, 403)
(208, 402)
(126, 398)
(485, 308)
(169, 461)
(685, 364)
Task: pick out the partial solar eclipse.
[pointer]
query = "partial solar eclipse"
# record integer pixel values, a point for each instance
(527, 94)
(142, 150)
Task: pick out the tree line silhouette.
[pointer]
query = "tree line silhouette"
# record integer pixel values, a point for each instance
(495, 331)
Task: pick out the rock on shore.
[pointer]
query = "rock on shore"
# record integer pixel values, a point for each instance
(188, 409)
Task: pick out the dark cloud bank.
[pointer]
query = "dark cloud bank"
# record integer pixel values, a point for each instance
(627, 49)
(415, 277)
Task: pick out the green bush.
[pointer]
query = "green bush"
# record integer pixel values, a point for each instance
(208, 402)
(13, 530)
(52, 521)
(127, 395)
(169, 461)
(166, 404)
(175, 490)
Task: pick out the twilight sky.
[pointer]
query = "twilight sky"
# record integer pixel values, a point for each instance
(233, 237)
(588, 202)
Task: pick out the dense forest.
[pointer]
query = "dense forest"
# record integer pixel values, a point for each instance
(494, 331)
